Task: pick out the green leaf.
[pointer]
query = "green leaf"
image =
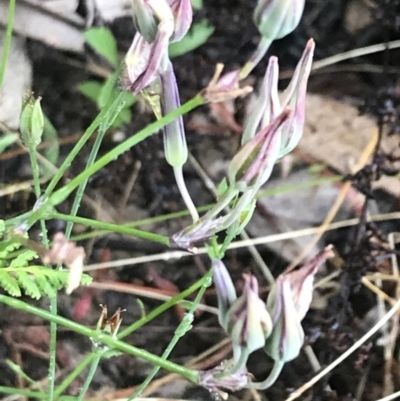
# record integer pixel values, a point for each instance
(92, 90)
(104, 43)
(9, 284)
(198, 35)
(2, 227)
(27, 284)
(6, 140)
(197, 4)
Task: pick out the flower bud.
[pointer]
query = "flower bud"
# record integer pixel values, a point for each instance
(277, 18)
(254, 162)
(226, 293)
(31, 121)
(295, 99)
(175, 148)
(288, 302)
(248, 321)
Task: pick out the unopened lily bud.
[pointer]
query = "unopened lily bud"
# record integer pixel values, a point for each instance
(175, 148)
(225, 289)
(31, 121)
(295, 99)
(144, 19)
(253, 164)
(277, 18)
(248, 321)
(183, 13)
(288, 302)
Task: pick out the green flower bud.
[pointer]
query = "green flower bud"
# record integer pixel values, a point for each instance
(277, 18)
(31, 121)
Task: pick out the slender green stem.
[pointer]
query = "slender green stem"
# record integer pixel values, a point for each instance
(256, 57)
(133, 327)
(7, 40)
(79, 145)
(73, 375)
(181, 330)
(271, 379)
(21, 391)
(102, 337)
(60, 195)
(180, 181)
(115, 228)
(52, 349)
(89, 378)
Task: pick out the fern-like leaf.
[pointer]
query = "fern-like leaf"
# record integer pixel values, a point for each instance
(9, 283)
(23, 259)
(28, 284)
(45, 287)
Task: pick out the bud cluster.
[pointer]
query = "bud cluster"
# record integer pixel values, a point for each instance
(274, 326)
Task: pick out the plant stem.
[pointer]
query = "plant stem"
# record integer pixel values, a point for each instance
(89, 378)
(7, 40)
(61, 194)
(180, 181)
(182, 329)
(102, 337)
(133, 327)
(115, 228)
(270, 380)
(256, 57)
(21, 391)
(79, 145)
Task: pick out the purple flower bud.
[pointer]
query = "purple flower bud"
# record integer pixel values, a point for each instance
(295, 99)
(277, 18)
(248, 323)
(288, 302)
(143, 60)
(159, 22)
(267, 106)
(182, 11)
(254, 162)
(175, 147)
(225, 289)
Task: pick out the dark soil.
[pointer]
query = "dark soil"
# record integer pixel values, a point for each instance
(330, 330)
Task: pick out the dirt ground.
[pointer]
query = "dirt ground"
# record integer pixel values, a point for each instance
(343, 310)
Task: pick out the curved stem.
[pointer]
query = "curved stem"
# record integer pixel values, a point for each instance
(180, 181)
(89, 378)
(270, 380)
(103, 338)
(256, 57)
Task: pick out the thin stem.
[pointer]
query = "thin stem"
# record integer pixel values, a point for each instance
(21, 391)
(79, 145)
(181, 330)
(7, 40)
(73, 375)
(60, 195)
(180, 181)
(115, 228)
(130, 329)
(102, 337)
(270, 380)
(256, 57)
(89, 378)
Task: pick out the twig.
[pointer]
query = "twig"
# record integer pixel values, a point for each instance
(347, 353)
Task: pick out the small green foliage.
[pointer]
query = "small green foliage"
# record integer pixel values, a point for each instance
(17, 276)
(104, 43)
(197, 4)
(6, 140)
(198, 35)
